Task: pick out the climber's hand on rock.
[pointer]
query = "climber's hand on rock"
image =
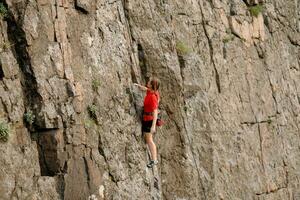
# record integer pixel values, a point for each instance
(140, 86)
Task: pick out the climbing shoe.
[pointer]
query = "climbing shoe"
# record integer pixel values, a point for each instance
(152, 163)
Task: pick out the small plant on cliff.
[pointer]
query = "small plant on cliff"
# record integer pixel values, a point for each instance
(88, 123)
(4, 131)
(255, 10)
(3, 10)
(5, 46)
(182, 48)
(92, 111)
(95, 84)
(269, 120)
(185, 108)
(29, 117)
(228, 39)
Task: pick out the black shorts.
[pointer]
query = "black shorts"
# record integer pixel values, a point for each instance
(146, 126)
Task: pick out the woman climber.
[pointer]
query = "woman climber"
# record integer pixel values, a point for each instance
(150, 114)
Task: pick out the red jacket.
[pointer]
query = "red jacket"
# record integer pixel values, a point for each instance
(150, 104)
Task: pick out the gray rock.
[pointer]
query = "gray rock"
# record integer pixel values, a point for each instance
(229, 94)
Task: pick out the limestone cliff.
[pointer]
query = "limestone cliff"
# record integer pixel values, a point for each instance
(230, 74)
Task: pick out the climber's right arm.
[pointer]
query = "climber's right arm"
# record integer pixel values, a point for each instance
(141, 86)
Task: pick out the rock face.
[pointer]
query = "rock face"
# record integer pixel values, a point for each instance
(230, 74)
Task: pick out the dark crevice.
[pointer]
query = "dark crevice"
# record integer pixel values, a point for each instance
(132, 73)
(268, 23)
(45, 129)
(273, 94)
(191, 149)
(45, 171)
(224, 51)
(245, 1)
(181, 61)
(232, 9)
(16, 36)
(119, 77)
(48, 153)
(272, 191)
(181, 65)
(143, 63)
(293, 41)
(112, 178)
(112, 2)
(183, 14)
(100, 33)
(133, 61)
(80, 9)
(55, 38)
(234, 33)
(87, 173)
(211, 51)
(1, 72)
(260, 122)
(49, 164)
(260, 50)
(179, 129)
(60, 186)
(217, 80)
(100, 148)
(20, 9)
(126, 15)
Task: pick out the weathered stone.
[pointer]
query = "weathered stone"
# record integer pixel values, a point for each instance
(32, 21)
(57, 59)
(78, 99)
(43, 2)
(48, 117)
(247, 31)
(261, 28)
(8, 65)
(62, 3)
(47, 188)
(66, 50)
(60, 25)
(84, 4)
(94, 175)
(76, 135)
(76, 180)
(14, 105)
(23, 137)
(229, 91)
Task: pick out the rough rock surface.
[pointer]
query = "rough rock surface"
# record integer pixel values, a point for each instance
(230, 98)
